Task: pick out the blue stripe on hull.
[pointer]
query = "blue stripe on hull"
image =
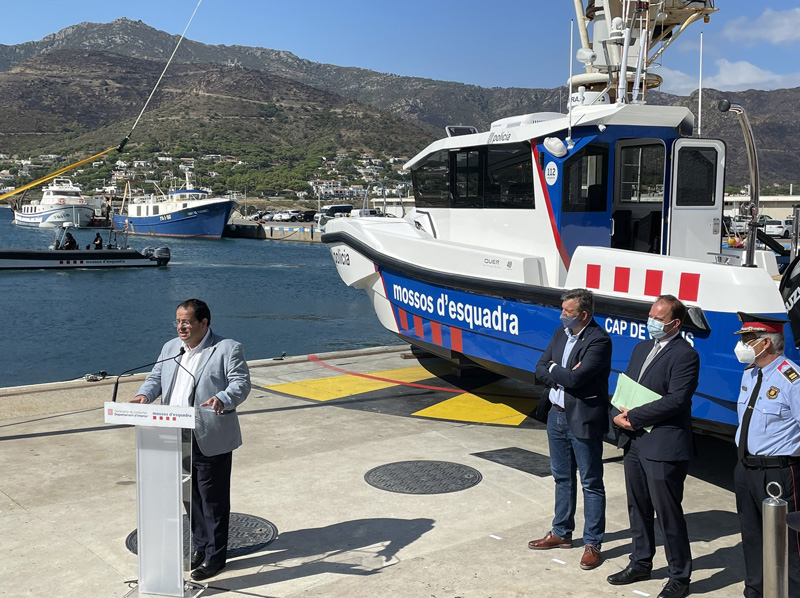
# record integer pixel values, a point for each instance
(50, 219)
(207, 221)
(511, 334)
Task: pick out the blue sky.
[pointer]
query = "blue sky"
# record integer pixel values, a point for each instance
(514, 43)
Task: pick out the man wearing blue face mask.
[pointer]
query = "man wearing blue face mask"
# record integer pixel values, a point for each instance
(656, 462)
(574, 368)
(768, 441)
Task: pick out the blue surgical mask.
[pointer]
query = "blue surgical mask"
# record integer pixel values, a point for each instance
(656, 328)
(571, 322)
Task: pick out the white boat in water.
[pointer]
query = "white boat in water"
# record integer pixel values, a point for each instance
(62, 201)
(615, 196)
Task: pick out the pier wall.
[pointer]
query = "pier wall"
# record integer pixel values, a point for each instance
(243, 229)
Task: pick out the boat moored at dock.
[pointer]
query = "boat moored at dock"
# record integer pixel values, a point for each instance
(62, 201)
(614, 196)
(184, 212)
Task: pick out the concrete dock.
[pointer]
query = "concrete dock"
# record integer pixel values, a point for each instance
(313, 426)
(301, 232)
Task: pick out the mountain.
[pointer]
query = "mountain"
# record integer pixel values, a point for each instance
(426, 103)
(73, 101)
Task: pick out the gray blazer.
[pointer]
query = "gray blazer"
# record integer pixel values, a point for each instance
(221, 372)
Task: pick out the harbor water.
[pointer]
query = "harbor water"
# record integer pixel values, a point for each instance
(272, 296)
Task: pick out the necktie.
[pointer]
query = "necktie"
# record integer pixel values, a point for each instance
(649, 359)
(748, 414)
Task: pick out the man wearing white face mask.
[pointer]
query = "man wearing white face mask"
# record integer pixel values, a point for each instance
(656, 462)
(768, 441)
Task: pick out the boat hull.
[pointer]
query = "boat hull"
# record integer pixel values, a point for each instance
(46, 259)
(207, 221)
(505, 327)
(78, 215)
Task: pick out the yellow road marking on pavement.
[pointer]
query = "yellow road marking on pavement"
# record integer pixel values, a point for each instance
(336, 387)
(487, 409)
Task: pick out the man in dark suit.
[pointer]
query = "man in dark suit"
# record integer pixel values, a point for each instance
(656, 462)
(210, 373)
(575, 367)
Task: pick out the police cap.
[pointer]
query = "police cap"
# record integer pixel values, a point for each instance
(758, 323)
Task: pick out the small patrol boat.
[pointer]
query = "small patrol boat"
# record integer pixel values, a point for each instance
(615, 196)
(116, 254)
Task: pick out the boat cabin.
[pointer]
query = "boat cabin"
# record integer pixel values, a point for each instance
(617, 180)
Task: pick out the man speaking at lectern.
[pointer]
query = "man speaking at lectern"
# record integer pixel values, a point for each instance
(208, 371)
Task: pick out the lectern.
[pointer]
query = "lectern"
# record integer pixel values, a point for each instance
(161, 485)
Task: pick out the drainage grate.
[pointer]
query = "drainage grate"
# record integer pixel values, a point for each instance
(423, 477)
(246, 534)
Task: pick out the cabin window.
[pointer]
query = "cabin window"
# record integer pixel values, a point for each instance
(641, 172)
(138, 210)
(467, 179)
(697, 174)
(155, 210)
(432, 182)
(586, 181)
(509, 177)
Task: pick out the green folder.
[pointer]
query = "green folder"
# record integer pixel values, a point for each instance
(630, 394)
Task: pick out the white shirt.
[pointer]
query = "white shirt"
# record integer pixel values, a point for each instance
(557, 394)
(184, 383)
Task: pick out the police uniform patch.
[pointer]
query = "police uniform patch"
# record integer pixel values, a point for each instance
(772, 393)
(788, 372)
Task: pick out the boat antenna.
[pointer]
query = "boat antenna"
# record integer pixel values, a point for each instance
(152, 93)
(622, 76)
(700, 92)
(570, 144)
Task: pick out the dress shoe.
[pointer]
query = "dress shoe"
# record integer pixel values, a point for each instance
(674, 589)
(197, 558)
(626, 576)
(206, 570)
(550, 541)
(591, 557)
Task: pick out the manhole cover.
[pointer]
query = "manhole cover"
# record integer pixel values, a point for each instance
(246, 534)
(423, 477)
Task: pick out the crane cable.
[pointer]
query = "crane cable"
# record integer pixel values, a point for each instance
(119, 147)
(124, 141)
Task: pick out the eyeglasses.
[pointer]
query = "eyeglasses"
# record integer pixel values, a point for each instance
(179, 323)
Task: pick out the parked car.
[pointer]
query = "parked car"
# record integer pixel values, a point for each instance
(308, 216)
(288, 216)
(333, 212)
(779, 228)
(739, 223)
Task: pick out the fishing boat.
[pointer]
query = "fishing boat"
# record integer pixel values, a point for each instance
(615, 196)
(62, 201)
(116, 254)
(183, 212)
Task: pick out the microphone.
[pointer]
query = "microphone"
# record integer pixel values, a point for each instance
(194, 380)
(141, 367)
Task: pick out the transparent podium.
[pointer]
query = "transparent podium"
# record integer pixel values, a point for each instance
(163, 490)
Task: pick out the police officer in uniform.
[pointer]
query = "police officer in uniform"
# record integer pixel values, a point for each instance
(768, 441)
